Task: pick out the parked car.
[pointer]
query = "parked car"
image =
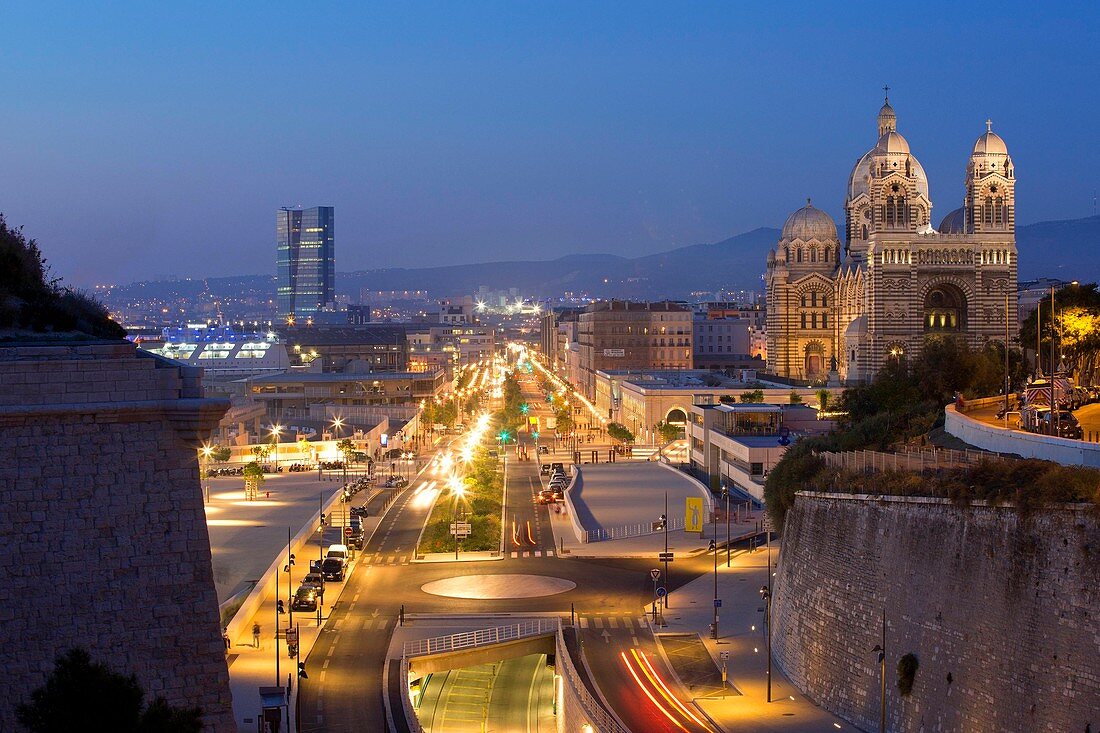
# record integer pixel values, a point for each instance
(546, 496)
(557, 467)
(314, 580)
(305, 599)
(340, 551)
(333, 568)
(559, 494)
(544, 469)
(544, 450)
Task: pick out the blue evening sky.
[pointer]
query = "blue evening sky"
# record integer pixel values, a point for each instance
(148, 139)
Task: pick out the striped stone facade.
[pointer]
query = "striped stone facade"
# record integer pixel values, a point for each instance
(896, 280)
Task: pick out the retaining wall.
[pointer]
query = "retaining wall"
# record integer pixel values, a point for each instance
(103, 539)
(1003, 613)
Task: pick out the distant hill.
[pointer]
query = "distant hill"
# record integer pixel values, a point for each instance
(1066, 249)
(736, 262)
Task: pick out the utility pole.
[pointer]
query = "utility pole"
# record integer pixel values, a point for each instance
(726, 496)
(1053, 406)
(1008, 378)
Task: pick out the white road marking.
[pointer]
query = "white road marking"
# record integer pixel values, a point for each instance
(538, 553)
(584, 622)
(597, 623)
(612, 623)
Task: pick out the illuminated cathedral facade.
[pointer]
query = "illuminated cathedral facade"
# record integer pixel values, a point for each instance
(838, 310)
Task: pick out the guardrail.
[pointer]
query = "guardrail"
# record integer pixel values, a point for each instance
(908, 460)
(602, 720)
(481, 637)
(631, 530)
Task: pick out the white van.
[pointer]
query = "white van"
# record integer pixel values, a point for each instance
(340, 551)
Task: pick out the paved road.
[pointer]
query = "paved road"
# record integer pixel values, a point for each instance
(344, 690)
(512, 695)
(630, 492)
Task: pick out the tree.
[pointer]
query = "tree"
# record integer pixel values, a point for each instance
(669, 432)
(346, 448)
(796, 398)
(261, 452)
(221, 453)
(304, 447)
(619, 432)
(823, 397)
(80, 695)
(756, 395)
(253, 478)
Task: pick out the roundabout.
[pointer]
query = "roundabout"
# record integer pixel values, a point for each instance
(489, 587)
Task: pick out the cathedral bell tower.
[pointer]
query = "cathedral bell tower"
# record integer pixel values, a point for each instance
(990, 204)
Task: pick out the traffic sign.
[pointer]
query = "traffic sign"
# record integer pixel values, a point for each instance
(654, 573)
(717, 602)
(724, 656)
(292, 636)
(661, 592)
(665, 556)
(347, 531)
(460, 529)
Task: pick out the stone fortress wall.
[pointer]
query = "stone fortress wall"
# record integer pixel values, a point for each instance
(103, 539)
(1003, 613)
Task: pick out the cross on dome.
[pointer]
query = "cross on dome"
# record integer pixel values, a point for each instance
(988, 125)
(886, 88)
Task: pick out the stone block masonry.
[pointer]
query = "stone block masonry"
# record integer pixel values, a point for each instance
(103, 540)
(1002, 612)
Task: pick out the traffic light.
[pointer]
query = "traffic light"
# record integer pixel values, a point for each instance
(279, 605)
(535, 435)
(524, 408)
(322, 519)
(504, 436)
(302, 671)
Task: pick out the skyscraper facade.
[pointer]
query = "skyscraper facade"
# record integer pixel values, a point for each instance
(306, 261)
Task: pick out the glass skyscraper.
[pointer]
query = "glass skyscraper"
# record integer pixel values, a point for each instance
(306, 261)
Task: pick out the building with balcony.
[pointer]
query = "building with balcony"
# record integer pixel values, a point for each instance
(737, 444)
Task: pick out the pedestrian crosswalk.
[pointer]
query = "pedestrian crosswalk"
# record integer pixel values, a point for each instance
(516, 554)
(383, 558)
(628, 623)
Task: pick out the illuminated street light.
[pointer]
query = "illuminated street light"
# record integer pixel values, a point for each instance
(276, 430)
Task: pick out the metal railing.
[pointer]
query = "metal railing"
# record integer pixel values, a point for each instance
(481, 637)
(630, 530)
(924, 459)
(602, 720)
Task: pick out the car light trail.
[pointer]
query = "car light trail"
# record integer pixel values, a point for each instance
(515, 535)
(650, 672)
(643, 688)
(530, 538)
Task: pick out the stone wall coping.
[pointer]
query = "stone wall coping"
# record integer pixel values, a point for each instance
(191, 404)
(888, 498)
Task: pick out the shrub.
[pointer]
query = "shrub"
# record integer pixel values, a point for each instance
(907, 672)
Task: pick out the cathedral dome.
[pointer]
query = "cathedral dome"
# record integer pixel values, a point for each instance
(892, 142)
(952, 223)
(990, 143)
(809, 223)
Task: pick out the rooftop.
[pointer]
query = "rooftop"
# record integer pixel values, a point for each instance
(302, 377)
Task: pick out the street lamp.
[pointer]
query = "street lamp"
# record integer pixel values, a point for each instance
(206, 450)
(276, 430)
(459, 491)
(766, 594)
(337, 423)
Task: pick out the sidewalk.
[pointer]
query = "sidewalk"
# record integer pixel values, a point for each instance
(251, 668)
(743, 635)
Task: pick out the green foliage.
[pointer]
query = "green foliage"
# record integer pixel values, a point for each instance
(221, 453)
(261, 452)
(796, 398)
(756, 395)
(81, 695)
(481, 506)
(619, 432)
(823, 399)
(254, 474)
(669, 432)
(907, 672)
(30, 299)
(1077, 320)
(346, 448)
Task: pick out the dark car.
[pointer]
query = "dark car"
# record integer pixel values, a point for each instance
(557, 467)
(333, 568)
(305, 599)
(544, 469)
(544, 450)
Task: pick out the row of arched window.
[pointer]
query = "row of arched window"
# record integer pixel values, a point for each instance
(811, 255)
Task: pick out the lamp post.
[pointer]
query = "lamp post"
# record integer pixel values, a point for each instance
(766, 594)
(458, 491)
(881, 649)
(276, 430)
(714, 551)
(726, 496)
(206, 450)
(664, 522)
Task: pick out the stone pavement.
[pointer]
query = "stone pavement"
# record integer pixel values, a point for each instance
(742, 634)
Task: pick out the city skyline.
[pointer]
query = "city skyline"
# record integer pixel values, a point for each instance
(440, 139)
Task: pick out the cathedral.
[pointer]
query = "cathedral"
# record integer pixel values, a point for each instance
(837, 312)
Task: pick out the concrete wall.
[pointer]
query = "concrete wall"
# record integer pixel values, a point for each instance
(103, 539)
(1019, 442)
(1002, 613)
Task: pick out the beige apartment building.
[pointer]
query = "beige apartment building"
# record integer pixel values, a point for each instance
(616, 335)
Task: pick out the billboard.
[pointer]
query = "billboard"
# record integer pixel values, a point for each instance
(693, 514)
(614, 352)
